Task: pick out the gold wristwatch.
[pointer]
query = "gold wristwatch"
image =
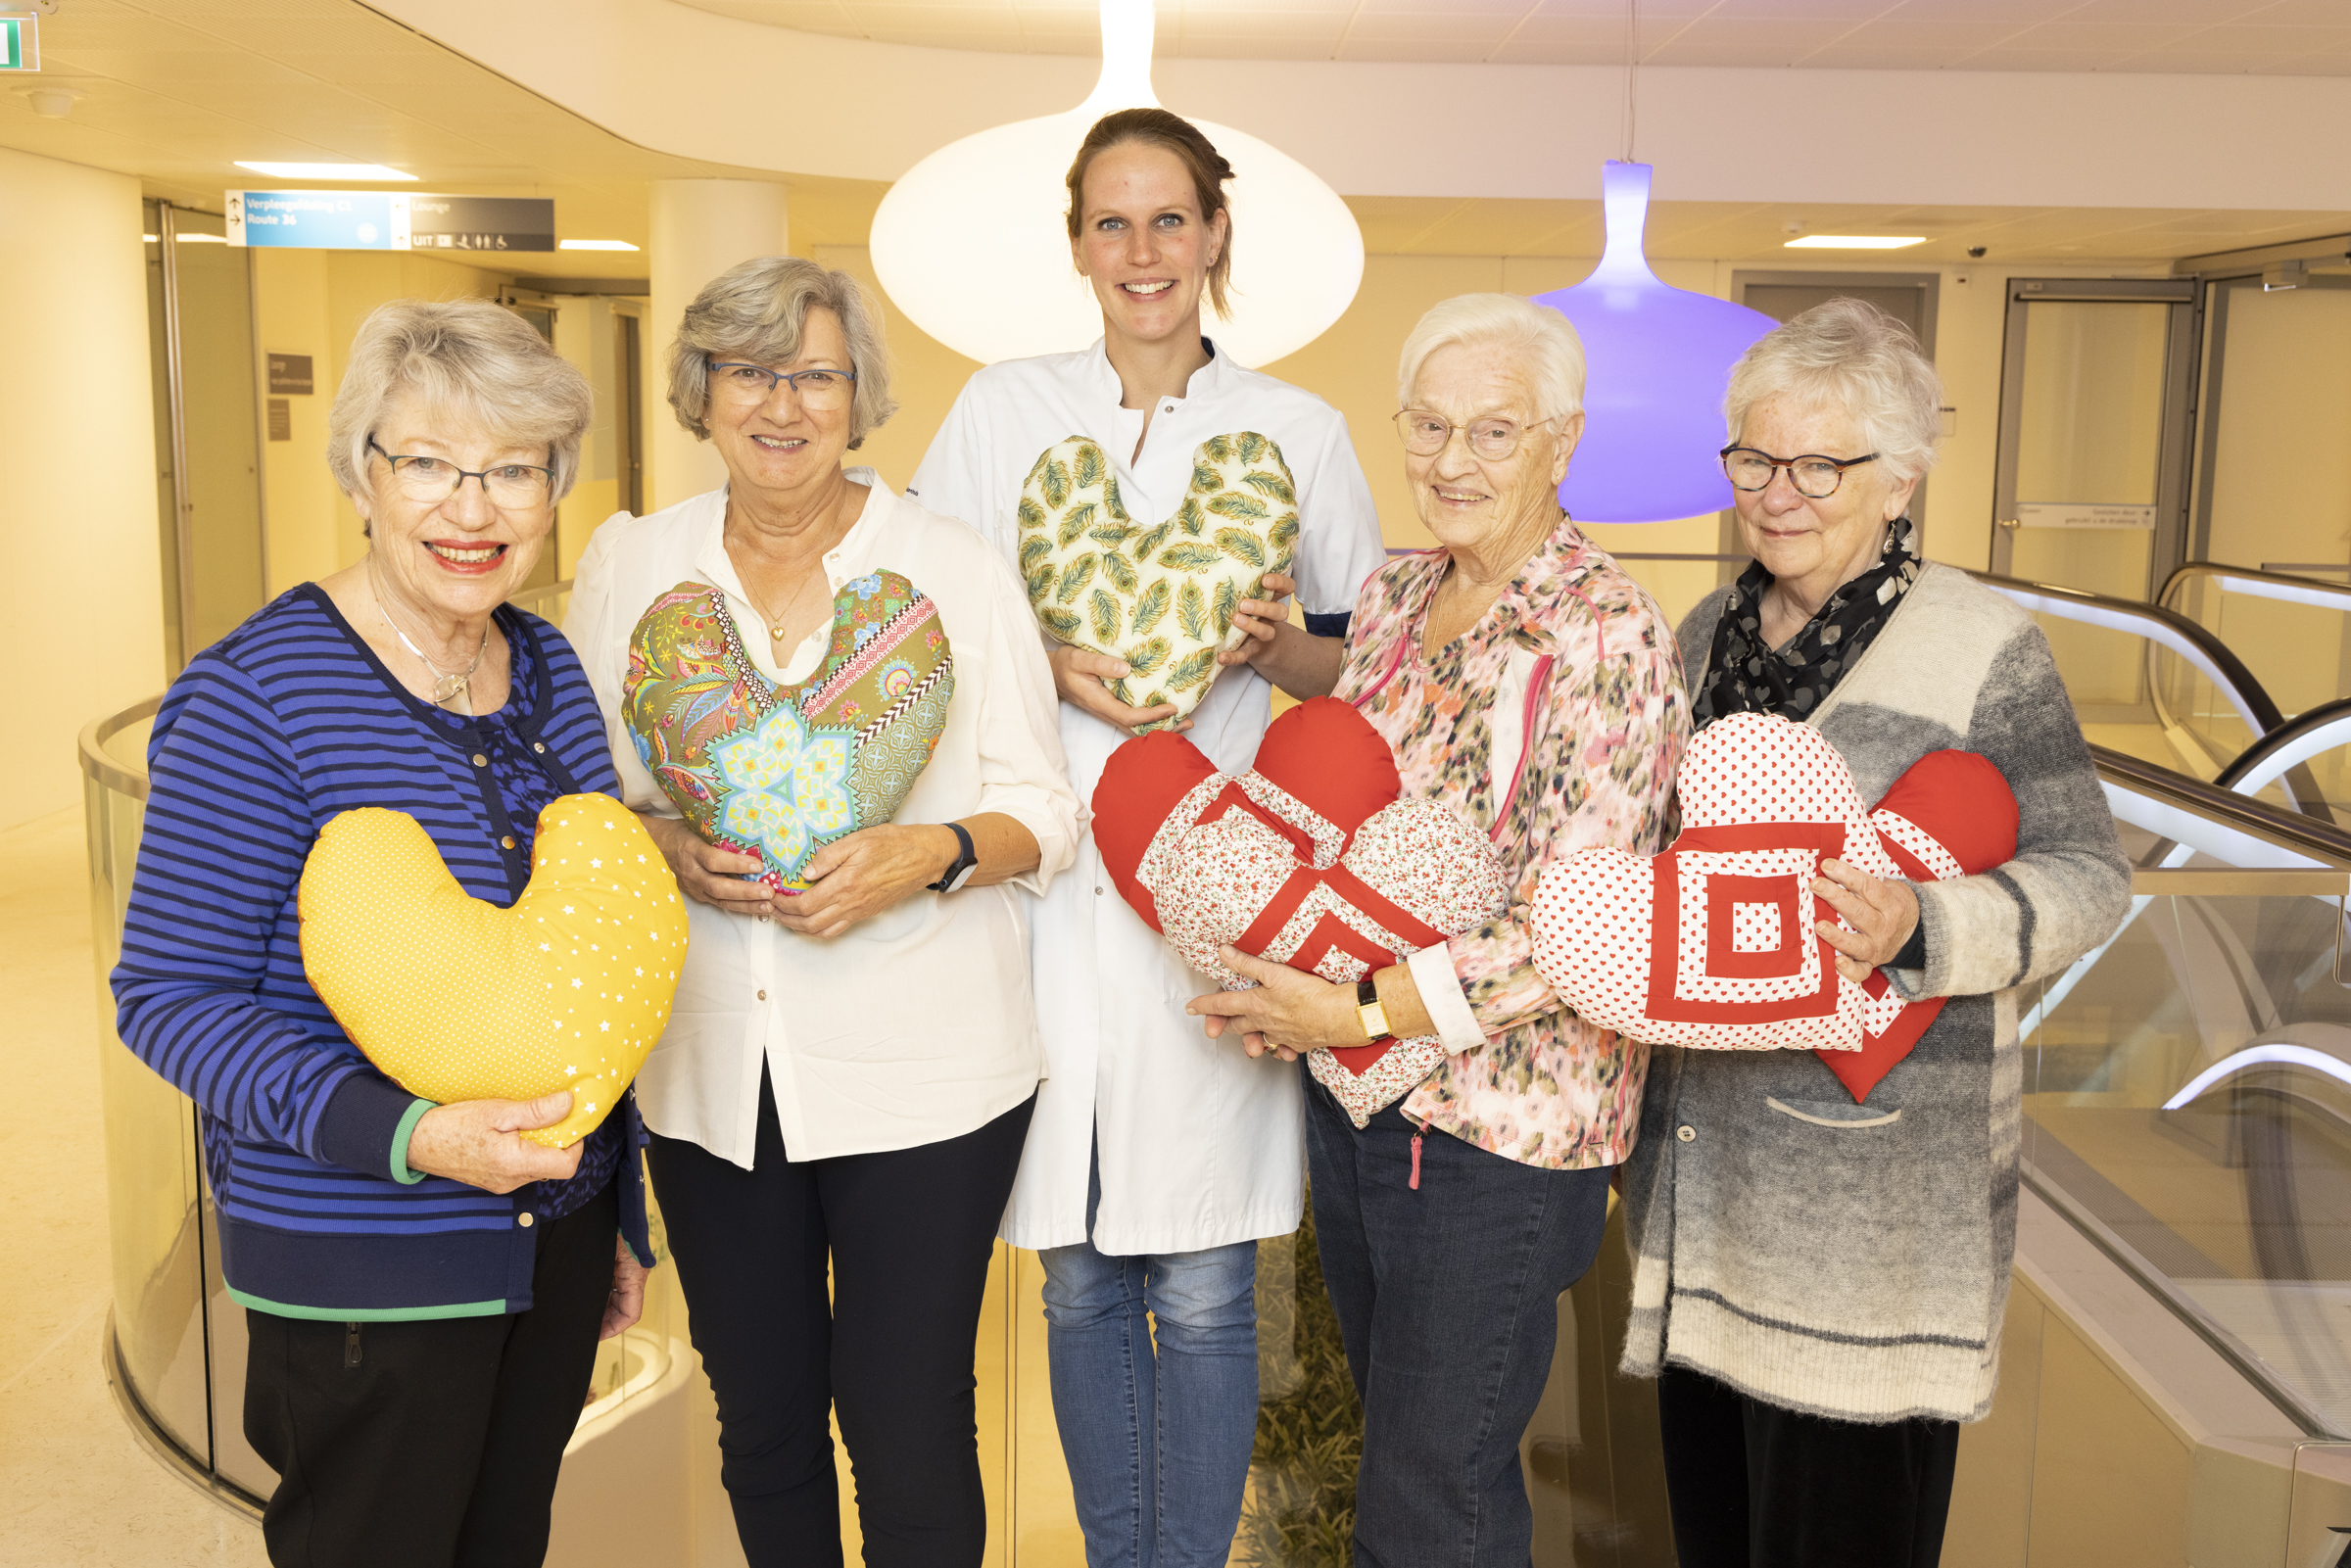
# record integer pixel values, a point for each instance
(1367, 1008)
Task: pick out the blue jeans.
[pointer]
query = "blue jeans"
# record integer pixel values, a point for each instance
(1156, 1445)
(1448, 1298)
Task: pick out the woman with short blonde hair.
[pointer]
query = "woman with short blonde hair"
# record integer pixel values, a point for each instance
(839, 1101)
(423, 1288)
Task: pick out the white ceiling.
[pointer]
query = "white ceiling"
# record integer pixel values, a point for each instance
(176, 91)
(2302, 37)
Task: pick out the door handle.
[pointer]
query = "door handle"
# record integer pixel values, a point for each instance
(2009, 522)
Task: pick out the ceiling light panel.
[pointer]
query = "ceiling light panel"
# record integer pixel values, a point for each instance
(366, 174)
(1855, 242)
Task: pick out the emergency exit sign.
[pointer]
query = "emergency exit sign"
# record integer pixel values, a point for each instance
(20, 43)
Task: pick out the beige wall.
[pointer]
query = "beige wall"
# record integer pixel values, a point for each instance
(1353, 366)
(311, 302)
(83, 596)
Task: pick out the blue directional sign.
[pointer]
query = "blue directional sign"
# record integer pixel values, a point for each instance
(319, 221)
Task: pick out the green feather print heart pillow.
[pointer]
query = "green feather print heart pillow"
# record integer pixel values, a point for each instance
(1162, 596)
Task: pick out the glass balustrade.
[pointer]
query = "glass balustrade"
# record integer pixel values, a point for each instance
(2188, 1086)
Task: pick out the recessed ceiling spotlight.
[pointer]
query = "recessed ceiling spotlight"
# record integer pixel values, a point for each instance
(371, 173)
(50, 100)
(1855, 242)
(594, 245)
(1795, 225)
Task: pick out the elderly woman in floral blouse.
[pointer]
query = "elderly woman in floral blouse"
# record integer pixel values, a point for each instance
(1524, 680)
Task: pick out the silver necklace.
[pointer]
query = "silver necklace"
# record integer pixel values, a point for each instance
(447, 687)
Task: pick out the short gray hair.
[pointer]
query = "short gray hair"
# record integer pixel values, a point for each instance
(757, 311)
(1542, 337)
(1848, 355)
(467, 358)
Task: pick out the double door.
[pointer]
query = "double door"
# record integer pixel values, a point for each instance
(2090, 490)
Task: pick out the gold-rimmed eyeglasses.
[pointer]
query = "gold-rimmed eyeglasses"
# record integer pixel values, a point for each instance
(435, 478)
(1814, 476)
(821, 391)
(1491, 437)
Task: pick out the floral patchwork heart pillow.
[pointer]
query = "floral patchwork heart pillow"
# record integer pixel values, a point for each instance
(1309, 858)
(777, 772)
(1161, 596)
(1711, 944)
(456, 999)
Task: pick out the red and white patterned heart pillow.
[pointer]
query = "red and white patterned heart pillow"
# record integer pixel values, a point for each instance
(1309, 858)
(1711, 943)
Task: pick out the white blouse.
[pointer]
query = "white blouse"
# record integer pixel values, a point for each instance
(914, 1025)
(1200, 1143)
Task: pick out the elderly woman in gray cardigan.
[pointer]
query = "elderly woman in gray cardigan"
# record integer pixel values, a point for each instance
(1819, 1283)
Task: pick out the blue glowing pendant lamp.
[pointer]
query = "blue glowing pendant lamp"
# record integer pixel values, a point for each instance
(1658, 358)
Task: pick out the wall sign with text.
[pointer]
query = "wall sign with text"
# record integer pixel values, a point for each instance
(2082, 514)
(381, 220)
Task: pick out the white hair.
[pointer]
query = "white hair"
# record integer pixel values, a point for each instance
(758, 311)
(1850, 355)
(467, 359)
(1543, 339)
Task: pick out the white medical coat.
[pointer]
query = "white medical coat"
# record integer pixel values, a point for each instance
(1200, 1143)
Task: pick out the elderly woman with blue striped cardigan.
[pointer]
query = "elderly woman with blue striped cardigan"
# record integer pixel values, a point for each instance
(423, 1288)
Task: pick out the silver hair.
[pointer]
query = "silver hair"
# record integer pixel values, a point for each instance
(1542, 337)
(467, 359)
(757, 311)
(1848, 355)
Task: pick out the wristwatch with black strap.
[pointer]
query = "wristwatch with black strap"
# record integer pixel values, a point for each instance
(1368, 1008)
(959, 869)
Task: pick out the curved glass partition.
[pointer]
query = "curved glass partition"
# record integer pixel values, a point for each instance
(2146, 682)
(2293, 633)
(2188, 1086)
(177, 1339)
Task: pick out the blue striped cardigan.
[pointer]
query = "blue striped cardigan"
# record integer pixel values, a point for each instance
(265, 735)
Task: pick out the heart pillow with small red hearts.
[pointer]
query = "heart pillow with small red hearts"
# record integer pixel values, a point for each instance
(1711, 944)
(1309, 858)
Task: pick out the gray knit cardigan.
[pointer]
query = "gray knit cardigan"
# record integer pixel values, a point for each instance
(1853, 1261)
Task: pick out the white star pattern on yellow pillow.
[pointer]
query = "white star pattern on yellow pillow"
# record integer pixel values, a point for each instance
(456, 999)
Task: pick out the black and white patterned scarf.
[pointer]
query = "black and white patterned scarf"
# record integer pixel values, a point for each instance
(1744, 675)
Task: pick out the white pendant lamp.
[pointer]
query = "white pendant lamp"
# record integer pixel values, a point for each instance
(972, 243)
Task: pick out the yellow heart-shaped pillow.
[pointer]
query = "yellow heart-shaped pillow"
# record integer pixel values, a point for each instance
(456, 999)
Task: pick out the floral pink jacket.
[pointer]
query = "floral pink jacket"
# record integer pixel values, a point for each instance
(1604, 721)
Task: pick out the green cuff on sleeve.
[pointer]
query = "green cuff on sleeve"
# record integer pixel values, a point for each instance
(399, 1144)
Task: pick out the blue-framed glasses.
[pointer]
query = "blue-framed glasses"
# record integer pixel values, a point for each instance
(822, 391)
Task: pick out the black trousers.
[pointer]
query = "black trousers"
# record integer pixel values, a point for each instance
(1755, 1486)
(419, 1445)
(908, 1234)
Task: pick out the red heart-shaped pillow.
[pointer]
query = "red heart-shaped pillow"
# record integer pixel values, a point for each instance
(1309, 858)
(1712, 945)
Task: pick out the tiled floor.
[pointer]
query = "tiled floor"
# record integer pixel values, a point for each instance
(77, 1490)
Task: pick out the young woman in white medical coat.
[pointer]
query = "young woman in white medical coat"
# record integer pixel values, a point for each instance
(1157, 1156)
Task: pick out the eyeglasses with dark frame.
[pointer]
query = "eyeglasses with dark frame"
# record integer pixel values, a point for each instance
(1426, 433)
(1814, 475)
(514, 486)
(823, 390)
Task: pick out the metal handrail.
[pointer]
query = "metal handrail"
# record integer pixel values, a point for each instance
(102, 765)
(2306, 835)
(2282, 585)
(2315, 729)
(2165, 628)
